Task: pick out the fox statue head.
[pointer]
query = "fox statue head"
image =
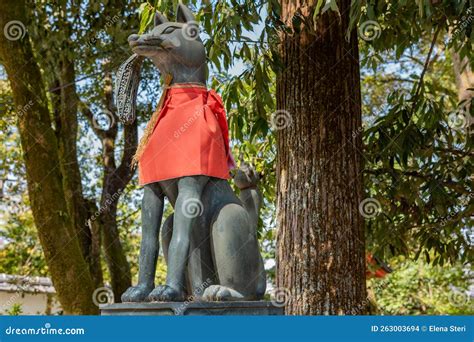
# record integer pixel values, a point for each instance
(174, 48)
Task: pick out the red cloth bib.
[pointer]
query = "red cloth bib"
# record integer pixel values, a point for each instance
(190, 138)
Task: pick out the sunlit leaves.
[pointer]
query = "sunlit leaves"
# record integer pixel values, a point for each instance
(417, 288)
(404, 22)
(418, 164)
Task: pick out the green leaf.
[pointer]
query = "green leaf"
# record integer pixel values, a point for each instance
(146, 17)
(317, 9)
(334, 7)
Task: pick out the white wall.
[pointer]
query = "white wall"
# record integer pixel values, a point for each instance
(31, 303)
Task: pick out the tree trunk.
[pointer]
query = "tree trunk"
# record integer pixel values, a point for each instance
(65, 102)
(465, 83)
(464, 77)
(68, 269)
(321, 247)
(117, 263)
(95, 227)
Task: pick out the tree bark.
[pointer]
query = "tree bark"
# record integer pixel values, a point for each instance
(321, 246)
(69, 272)
(65, 105)
(464, 77)
(95, 227)
(465, 83)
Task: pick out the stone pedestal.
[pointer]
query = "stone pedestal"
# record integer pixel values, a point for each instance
(191, 308)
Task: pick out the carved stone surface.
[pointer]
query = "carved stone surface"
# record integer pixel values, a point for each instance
(192, 308)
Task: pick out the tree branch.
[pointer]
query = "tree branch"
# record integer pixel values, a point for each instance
(425, 68)
(125, 172)
(450, 184)
(100, 133)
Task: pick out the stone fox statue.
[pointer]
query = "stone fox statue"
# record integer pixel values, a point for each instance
(210, 242)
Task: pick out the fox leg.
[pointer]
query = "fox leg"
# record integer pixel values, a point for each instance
(152, 211)
(187, 209)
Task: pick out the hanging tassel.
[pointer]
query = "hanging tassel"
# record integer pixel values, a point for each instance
(152, 123)
(126, 87)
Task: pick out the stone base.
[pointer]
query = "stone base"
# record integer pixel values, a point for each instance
(191, 309)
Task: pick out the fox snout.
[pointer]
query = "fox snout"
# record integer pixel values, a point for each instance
(135, 40)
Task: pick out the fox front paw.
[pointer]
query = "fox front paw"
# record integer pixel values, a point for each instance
(136, 293)
(165, 293)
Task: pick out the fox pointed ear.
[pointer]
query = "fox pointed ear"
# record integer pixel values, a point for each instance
(184, 14)
(160, 19)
